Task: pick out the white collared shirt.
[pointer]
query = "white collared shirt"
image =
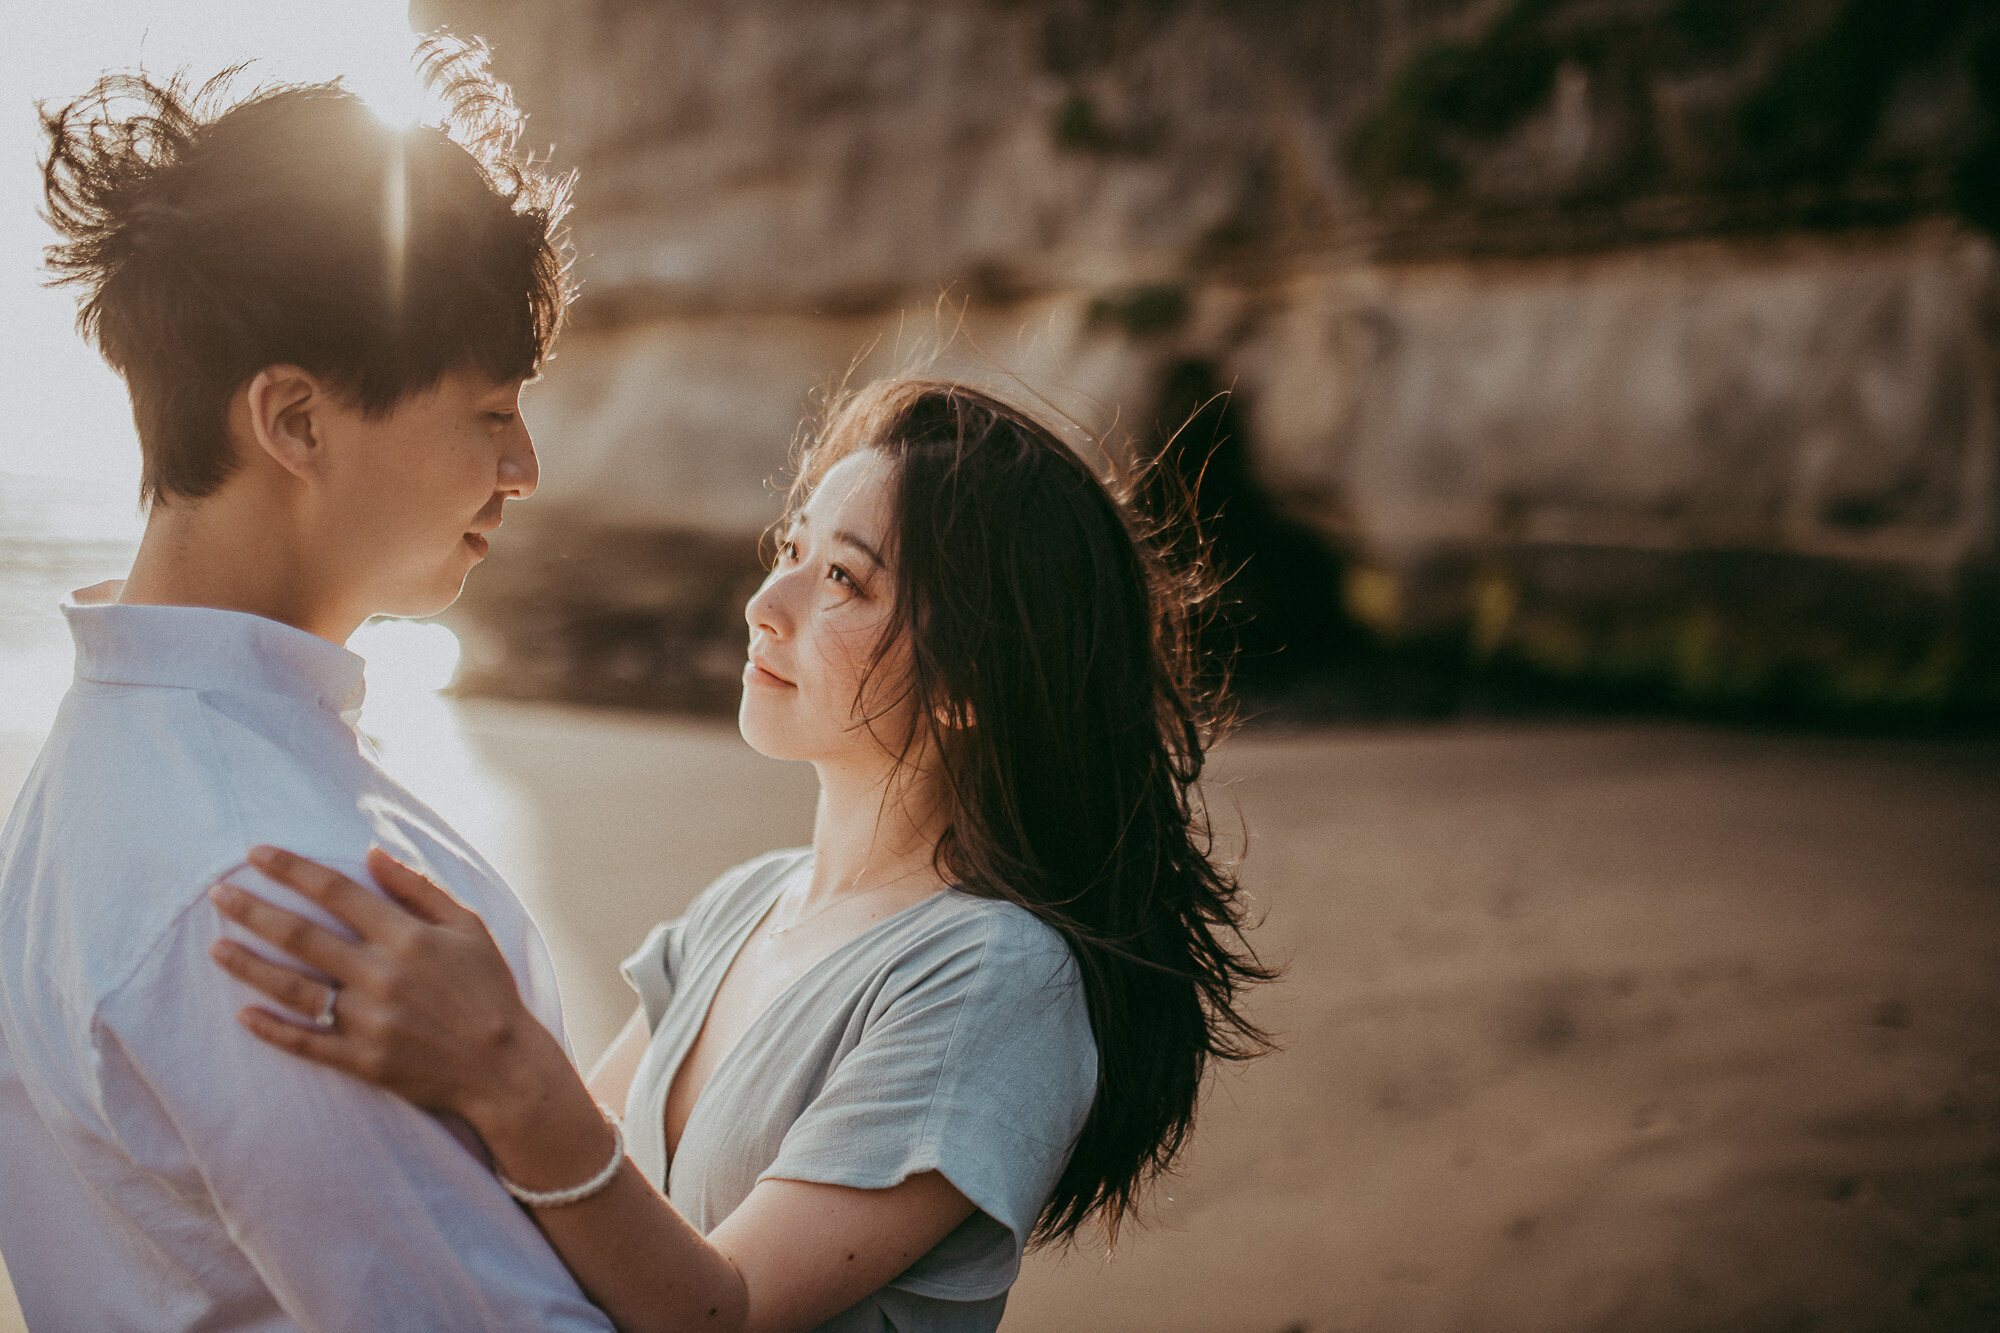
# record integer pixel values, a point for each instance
(160, 1168)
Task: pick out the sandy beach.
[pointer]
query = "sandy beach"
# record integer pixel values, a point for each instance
(1585, 1027)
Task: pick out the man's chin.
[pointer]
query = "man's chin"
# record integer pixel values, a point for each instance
(421, 605)
(449, 596)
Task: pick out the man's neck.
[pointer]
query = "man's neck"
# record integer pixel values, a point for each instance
(236, 556)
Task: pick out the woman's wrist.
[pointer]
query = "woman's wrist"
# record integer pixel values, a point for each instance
(577, 1193)
(537, 1118)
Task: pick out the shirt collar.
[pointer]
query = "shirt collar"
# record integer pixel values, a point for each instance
(204, 648)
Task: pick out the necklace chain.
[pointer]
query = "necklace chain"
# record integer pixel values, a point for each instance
(847, 895)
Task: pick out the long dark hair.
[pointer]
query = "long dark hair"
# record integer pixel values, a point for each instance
(1055, 676)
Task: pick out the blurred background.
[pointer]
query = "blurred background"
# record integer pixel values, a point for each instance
(1596, 404)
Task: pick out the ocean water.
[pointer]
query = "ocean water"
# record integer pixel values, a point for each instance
(57, 534)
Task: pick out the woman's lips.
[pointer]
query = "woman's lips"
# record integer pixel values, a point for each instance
(754, 674)
(477, 541)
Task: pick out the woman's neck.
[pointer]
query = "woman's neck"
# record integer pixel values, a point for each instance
(872, 828)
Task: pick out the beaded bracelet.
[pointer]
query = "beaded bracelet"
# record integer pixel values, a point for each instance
(575, 1193)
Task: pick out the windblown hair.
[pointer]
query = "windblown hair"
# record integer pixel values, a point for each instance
(209, 240)
(1055, 676)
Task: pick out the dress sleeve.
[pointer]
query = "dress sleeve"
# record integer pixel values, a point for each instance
(654, 969)
(976, 1061)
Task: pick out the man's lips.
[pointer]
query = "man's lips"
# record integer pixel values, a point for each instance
(482, 523)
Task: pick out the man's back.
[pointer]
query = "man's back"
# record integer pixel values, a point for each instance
(161, 1168)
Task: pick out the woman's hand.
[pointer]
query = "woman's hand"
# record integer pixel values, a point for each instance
(427, 1008)
(426, 1005)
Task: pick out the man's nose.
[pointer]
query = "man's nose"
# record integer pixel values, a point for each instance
(520, 468)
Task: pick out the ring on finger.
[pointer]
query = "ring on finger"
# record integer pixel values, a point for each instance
(325, 1019)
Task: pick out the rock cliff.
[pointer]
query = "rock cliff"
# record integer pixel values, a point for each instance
(1595, 349)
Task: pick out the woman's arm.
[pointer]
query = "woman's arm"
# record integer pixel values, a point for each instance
(428, 1008)
(611, 1081)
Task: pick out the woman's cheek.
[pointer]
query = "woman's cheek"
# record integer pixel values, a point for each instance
(840, 667)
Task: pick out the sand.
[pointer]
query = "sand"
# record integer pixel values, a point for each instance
(1586, 1027)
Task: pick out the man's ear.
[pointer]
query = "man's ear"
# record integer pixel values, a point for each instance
(276, 414)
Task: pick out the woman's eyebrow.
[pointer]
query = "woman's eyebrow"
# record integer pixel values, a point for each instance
(842, 535)
(861, 546)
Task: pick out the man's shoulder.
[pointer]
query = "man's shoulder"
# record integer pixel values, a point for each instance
(142, 800)
(145, 748)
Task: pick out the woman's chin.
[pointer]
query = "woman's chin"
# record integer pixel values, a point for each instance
(759, 733)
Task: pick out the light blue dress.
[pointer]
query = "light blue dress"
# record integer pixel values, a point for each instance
(952, 1036)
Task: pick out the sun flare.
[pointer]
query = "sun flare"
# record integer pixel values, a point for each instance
(61, 411)
(406, 656)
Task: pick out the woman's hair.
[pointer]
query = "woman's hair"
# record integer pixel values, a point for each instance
(1055, 678)
(209, 240)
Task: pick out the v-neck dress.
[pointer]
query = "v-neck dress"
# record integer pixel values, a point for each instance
(952, 1036)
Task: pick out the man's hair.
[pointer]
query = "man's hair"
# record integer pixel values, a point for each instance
(211, 238)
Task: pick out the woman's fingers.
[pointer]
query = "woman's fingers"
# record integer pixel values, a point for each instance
(321, 1047)
(369, 914)
(305, 940)
(428, 1006)
(296, 991)
(420, 895)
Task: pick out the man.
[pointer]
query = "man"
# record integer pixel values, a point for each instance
(324, 325)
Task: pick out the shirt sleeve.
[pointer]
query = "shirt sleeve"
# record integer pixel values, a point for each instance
(978, 1063)
(358, 1210)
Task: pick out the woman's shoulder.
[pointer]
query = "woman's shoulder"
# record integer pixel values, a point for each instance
(655, 968)
(992, 997)
(996, 945)
(742, 888)
(1008, 927)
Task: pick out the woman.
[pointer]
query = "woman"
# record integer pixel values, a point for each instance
(976, 1012)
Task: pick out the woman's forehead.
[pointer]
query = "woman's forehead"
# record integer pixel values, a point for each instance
(855, 493)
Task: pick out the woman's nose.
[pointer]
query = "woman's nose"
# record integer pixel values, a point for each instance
(765, 610)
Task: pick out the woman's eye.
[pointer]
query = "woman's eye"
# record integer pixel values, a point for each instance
(843, 578)
(500, 418)
(788, 551)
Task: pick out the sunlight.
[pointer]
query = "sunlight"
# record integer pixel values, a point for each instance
(396, 225)
(411, 724)
(376, 62)
(418, 735)
(406, 657)
(381, 72)
(61, 411)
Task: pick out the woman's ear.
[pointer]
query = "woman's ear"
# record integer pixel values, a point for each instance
(274, 414)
